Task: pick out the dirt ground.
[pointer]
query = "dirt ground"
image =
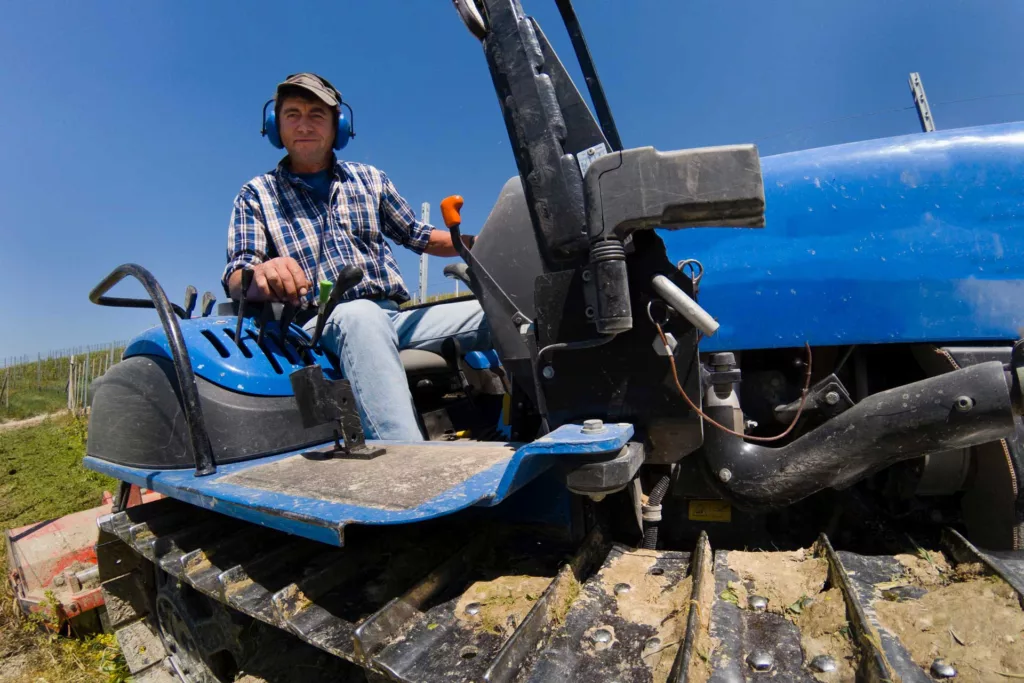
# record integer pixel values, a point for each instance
(795, 585)
(972, 621)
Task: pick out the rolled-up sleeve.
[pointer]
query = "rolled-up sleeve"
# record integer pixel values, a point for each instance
(398, 220)
(247, 236)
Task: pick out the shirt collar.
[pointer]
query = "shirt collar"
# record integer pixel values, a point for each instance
(284, 172)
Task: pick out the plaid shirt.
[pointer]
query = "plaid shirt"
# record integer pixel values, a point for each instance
(275, 214)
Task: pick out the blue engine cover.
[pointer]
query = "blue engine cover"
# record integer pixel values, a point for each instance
(905, 239)
(253, 369)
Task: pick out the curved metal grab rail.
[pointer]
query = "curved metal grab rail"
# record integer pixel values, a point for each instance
(198, 435)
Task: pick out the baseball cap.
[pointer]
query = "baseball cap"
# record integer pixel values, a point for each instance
(317, 85)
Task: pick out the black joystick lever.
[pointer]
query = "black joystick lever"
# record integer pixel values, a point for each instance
(247, 276)
(349, 277)
(190, 300)
(208, 301)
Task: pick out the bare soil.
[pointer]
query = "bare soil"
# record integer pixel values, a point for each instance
(504, 602)
(652, 599)
(974, 622)
(794, 585)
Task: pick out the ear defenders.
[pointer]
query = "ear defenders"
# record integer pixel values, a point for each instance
(343, 132)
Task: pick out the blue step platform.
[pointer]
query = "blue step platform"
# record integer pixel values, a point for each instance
(304, 494)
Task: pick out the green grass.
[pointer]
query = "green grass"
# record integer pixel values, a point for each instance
(41, 473)
(40, 387)
(41, 477)
(29, 402)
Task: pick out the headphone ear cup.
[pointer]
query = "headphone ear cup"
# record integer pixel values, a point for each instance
(271, 131)
(344, 131)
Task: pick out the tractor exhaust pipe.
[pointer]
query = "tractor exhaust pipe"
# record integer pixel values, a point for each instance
(959, 409)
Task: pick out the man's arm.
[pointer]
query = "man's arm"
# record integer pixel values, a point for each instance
(441, 244)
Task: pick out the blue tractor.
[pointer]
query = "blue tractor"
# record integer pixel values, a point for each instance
(718, 454)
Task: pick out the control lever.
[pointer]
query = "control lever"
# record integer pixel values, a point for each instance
(349, 277)
(287, 316)
(208, 302)
(458, 271)
(190, 301)
(450, 208)
(247, 276)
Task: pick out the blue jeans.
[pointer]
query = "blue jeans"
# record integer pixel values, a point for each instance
(367, 336)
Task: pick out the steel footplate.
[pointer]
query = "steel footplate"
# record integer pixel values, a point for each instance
(452, 600)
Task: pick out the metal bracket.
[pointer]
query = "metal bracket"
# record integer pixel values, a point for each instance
(828, 397)
(320, 401)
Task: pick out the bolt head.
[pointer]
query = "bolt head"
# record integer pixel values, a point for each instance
(832, 398)
(548, 372)
(593, 426)
(587, 276)
(724, 475)
(723, 360)
(760, 660)
(823, 664)
(58, 580)
(963, 404)
(758, 603)
(942, 669)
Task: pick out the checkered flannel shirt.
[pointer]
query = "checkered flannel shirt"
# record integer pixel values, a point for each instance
(275, 214)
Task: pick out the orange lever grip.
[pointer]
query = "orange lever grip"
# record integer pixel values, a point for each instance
(450, 208)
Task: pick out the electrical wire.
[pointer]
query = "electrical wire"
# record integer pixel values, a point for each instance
(694, 408)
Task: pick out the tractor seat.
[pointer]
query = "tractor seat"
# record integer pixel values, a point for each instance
(420, 362)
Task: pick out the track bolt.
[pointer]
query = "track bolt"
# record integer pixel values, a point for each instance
(724, 475)
(963, 404)
(943, 669)
(760, 660)
(758, 603)
(823, 664)
(832, 398)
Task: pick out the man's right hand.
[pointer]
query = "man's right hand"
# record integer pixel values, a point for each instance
(279, 279)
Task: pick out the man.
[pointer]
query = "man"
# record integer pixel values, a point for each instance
(304, 221)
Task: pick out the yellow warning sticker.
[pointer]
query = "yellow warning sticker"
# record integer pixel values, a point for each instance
(710, 511)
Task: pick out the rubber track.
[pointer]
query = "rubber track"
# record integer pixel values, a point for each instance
(413, 633)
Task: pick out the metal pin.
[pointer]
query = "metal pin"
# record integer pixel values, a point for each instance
(473, 608)
(760, 660)
(757, 603)
(942, 669)
(621, 588)
(823, 664)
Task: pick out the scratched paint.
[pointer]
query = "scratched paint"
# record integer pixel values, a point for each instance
(324, 521)
(912, 238)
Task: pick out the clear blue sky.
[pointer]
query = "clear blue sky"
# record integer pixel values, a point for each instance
(128, 127)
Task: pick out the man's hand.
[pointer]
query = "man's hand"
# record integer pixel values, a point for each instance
(279, 279)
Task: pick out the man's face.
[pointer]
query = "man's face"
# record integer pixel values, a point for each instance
(307, 129)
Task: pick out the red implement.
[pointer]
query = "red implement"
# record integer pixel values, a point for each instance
(59, 556)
